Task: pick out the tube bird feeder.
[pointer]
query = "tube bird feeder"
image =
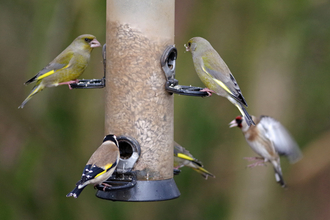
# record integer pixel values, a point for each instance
(137, 107)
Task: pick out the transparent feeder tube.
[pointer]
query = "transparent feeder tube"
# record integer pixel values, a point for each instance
(137, 105)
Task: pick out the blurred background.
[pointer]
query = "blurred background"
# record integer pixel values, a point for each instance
(278, 51)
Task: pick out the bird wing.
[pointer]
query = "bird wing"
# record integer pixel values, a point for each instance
(102, 160)
(61, 62)
(91, 171)
(221, 74)
(184, 154)
(257, 138)
(182, 157)
(283, 142)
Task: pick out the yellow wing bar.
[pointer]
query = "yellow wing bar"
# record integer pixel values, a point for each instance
(183, 156)
(50, 73)
(217, 81)
(106, 168)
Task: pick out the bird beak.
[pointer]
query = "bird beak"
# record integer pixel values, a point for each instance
(187, 48)
(94, 43)
(233, 123)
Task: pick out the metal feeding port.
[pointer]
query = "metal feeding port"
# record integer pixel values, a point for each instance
(167, 62)
(92, 83)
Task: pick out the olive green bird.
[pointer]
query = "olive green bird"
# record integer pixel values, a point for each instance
(215, 74)
(182, 158)
(66, 67)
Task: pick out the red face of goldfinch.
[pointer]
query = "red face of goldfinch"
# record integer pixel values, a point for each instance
(237, 122)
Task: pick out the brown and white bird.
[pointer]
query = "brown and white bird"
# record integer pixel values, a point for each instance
(270, 140)
(182, 158)
(100, 166)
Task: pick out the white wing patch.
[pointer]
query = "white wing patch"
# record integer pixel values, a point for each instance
(283, 142)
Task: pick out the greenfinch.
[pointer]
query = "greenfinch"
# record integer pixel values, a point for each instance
(66, 67)
(182, 157)
(215, 74)
(100, 166)
(270, 140)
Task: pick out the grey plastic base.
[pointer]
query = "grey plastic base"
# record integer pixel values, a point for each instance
(143, 191)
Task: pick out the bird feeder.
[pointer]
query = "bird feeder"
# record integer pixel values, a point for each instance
(137, 107)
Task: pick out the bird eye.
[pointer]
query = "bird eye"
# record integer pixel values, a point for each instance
(88, 40)
(189, 44)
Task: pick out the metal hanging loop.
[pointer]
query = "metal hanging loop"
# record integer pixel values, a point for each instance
(167, 62)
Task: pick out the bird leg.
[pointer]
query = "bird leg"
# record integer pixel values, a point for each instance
(105, 185)
(260, 161)
(69, 82)
(177, 167)
(209, 91)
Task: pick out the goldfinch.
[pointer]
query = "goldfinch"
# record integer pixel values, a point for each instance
(66, 67)
(182, 157)
(100, 166)
(270, 140)
(215, 74)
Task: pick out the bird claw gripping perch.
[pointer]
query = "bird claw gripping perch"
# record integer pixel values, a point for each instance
(167, 62)
(176, 171)
(92, 83)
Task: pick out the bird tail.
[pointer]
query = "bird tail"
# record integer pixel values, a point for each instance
(31, 80)
(245, 114)
(75, 192)
(278, 173)
(204, 172)
(37, 88)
